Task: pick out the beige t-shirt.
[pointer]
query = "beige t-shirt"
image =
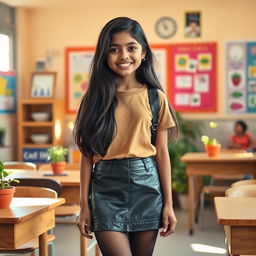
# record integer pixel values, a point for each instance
(133, 119)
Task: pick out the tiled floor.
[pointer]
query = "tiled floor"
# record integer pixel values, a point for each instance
(210, 240)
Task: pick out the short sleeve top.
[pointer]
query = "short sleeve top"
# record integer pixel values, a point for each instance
(133, 125)
(243, 141)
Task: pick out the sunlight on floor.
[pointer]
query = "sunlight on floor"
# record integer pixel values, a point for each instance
(207, 249)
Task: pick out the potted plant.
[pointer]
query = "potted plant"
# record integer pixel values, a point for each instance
(57, 157)
(189, 132)
(2, 135)
(6, 190)
(212, 146)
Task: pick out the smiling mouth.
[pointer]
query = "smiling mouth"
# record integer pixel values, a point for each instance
(124, 65)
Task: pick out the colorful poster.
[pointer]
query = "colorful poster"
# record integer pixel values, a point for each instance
(78, 62)
(241, 77)
(161, 64)
(251, 77)
(7, 92)
(193, 77)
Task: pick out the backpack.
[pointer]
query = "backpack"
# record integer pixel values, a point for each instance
(155, 108)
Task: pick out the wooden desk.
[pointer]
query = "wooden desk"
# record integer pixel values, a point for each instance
(70, 183)
(199, 164)
(238, 216)
(26, 219)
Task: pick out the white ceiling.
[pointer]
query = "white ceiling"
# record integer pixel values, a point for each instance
(64, 3)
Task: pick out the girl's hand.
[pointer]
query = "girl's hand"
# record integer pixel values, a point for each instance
(169, 221)
(84, 222)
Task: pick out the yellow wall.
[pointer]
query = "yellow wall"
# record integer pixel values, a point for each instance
(59, 27)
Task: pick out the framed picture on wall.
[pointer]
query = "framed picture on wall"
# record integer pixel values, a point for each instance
(193, 24)
(43, 84)
(77, 69)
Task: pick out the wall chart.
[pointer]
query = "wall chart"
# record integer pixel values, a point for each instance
(241, 77)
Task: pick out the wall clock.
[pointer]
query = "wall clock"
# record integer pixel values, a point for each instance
(166, 27)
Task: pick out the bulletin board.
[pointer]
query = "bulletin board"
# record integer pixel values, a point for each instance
(241, 77)
(7, 92)
(77, 66)
(193, 77)
(162, 64)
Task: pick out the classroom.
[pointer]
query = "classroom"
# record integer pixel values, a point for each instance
(200, 54)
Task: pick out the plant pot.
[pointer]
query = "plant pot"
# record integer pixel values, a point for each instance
(6, 196)
(58, 167)
(213, 150)
(2, 139)
(183, 200)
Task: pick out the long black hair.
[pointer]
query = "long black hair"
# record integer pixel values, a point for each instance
(95, 125)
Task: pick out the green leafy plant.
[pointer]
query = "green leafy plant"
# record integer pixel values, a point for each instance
(189, 132)
(5, 180)
(211, 141)
(2, 131)
(57, 154)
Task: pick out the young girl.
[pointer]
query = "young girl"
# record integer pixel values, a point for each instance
(241, 139)
(125, 180)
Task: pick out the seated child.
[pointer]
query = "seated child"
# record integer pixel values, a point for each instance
(241, 139)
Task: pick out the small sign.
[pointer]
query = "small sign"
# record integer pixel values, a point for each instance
(35, 155)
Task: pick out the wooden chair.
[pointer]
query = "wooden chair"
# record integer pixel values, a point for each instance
(65, 213)
(68, 167)
(32, 246)
(20, 165)
(240, 190)
(243, 182)
(24, 191)
(45, 183)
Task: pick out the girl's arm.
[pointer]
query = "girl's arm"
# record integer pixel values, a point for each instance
(164, 169)
(251, 142)
(84, 221)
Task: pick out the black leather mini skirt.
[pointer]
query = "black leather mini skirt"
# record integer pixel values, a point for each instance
(126, 195)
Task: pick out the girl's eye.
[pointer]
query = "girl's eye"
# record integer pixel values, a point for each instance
(113, 50)
(132, 48)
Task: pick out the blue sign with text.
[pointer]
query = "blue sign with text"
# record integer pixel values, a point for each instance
(35, 155)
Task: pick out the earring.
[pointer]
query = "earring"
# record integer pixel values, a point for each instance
(143, 59)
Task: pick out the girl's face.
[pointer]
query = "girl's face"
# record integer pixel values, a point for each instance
(125, 54)
(239, 129)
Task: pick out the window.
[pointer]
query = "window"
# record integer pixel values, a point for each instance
(4, 53)
(7, 37)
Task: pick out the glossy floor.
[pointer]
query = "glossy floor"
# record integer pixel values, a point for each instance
(206, 242)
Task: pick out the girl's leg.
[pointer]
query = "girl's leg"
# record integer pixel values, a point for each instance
(142, 243)
(113, 243)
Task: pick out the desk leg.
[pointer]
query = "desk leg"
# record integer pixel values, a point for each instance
(198, 188)
(83, 246)
(191, 200)
(43, 245)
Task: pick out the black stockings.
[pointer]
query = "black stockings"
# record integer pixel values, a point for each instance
(139, 243)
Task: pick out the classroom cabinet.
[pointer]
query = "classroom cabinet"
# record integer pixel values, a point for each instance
(40, 126)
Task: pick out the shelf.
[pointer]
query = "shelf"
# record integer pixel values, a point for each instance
(31, 145)
(35, 124)
(37, 101)
(27, 126)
